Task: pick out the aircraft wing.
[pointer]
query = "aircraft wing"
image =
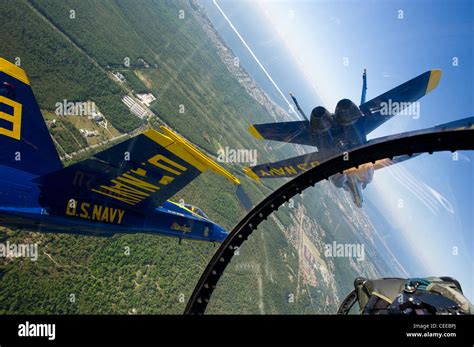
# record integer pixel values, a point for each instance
(138, 174)
(288, 167)
(380, 109)
(297, 165)
(293, 132)
(294, 166)
(465, 123)
(380, 164)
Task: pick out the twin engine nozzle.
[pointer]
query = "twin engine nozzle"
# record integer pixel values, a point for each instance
(346, 114)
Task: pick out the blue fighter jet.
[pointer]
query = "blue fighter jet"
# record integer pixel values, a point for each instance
(123, 189)
(346, 129)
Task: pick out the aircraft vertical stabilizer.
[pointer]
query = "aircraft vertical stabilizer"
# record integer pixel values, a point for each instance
(25, 143)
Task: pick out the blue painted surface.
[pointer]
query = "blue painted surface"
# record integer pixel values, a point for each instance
(102, 195)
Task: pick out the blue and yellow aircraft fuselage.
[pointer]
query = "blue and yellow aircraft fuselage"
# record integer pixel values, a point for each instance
(123, 189)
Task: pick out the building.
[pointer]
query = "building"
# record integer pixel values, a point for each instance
(119, 76)
(51, 123)
(134, 107)
(144, 62)
(96, 116)
(146, 98)
(89, 133)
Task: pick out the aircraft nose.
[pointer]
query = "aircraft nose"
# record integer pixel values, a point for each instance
(355, 189)
(219, 234)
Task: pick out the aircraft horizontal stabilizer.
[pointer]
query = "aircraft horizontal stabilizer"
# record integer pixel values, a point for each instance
(287, 168)
(292, 132)
(140, 173)
(399, 100)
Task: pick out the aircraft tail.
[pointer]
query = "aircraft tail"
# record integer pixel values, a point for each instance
(25, 142)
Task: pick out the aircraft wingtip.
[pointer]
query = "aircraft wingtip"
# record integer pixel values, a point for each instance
(235, 180)
(435, 77)
(254, 132)
(204, 161)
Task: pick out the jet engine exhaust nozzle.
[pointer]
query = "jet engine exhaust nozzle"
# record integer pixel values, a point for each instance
(347, 113)
(320, 120)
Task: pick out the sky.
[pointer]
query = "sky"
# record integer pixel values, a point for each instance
(318, 49)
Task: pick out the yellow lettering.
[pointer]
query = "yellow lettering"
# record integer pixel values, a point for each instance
(113, 213)
(127, 200)
(125, 190)
(120, 216)
(14, 119)
(290, 170)
(105, 215)
(84, 210)
(139, 172)
(277, 171)
(302, 166)
(138, 183)
(99, 213)
(166, 180)
(70, 211)
(96, 212)
(156, 162)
